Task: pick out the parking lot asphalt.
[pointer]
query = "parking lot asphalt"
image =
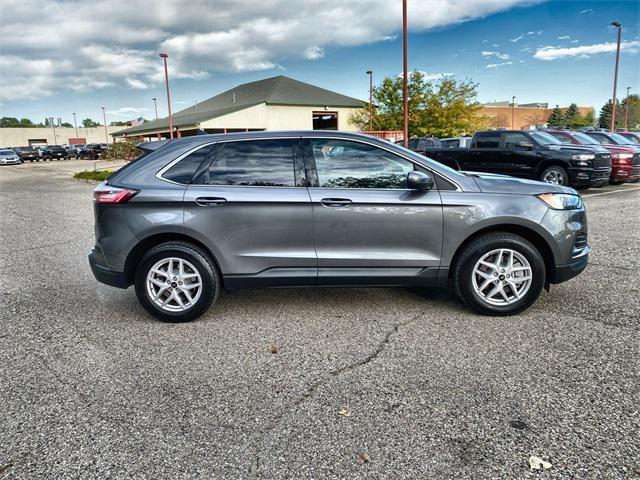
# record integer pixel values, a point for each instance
(308, 383)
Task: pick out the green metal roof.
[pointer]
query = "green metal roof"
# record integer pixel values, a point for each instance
(278, 90)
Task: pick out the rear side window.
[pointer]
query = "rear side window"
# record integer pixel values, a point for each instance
(487, 140)
(183, 171)
(514, 139)
(259, 163)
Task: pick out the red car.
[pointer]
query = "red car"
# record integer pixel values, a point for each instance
(625, 161)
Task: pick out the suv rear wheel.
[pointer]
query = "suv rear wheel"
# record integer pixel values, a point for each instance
(499, 274)
(176, 282)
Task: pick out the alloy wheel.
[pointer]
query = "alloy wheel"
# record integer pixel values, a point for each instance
(502, 277)
(174, 284)
(554, 177)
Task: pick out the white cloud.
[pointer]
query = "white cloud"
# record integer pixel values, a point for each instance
(564, 37)
(516, 39)
(430, 76)
(501, 56)
(80, 45)
(583, 51)
(496, 65)
(587, 10)
(128, 111)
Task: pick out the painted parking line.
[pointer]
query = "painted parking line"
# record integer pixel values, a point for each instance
(610, 192)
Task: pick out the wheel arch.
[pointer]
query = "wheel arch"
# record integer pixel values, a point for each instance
(525, 232)
(551, 162)
(138, 251)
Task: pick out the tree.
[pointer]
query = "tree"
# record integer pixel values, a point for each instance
(442, 108)
(634, 111)
(9, 122)
(88, 123)
(26, 123)
(119, 124)
(604, 120)
(556, 118)
(572, 117)
(66, 125)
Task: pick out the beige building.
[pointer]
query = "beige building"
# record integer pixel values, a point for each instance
(277, 103)
(22, 137)
(521, 116)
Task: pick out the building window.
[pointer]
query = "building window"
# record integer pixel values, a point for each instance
(325, 120)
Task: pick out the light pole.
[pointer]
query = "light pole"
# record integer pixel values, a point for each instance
(75, 124)
(370, 73)
(626, 111)
(618, 25)
(405, 93)
(53, 127)
(155, 105)
(164, 57)
(104, 120)
(513, 109)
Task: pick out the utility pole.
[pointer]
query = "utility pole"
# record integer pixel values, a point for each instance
(370, 73)
(104, 119)
(53, 127)
(618, 25)
(405, 92)
(513, 109)
(75, 124)
(164, 57)
(626, 111)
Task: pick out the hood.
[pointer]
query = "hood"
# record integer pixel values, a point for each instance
(493, 183)
(577, 149)
(617, 148)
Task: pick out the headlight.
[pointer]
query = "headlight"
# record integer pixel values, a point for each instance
(561, 201)
(583, 156)
(622, 156)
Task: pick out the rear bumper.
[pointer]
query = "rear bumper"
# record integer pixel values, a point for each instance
(574, 268)
(105, 275)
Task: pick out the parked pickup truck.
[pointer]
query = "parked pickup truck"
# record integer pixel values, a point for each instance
(529, 154)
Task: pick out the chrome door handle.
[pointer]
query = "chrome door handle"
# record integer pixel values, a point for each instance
(210, 201)
(335, 202)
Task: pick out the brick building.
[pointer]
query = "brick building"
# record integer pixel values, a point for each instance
(525, 115)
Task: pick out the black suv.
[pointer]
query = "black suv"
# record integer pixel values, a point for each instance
(54, 151)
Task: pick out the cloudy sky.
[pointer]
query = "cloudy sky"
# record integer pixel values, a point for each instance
(59, 57)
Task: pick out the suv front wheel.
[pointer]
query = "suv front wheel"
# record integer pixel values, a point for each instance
(176, 282)
(499, 274)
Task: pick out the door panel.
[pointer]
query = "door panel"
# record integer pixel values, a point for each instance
(369, 228)
(251, 209)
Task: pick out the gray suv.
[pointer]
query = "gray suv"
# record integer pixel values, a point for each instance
(300, 209)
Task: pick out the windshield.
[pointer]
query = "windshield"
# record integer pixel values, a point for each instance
(6, 153)
(545, 139)
(620, 139)
(584, 139)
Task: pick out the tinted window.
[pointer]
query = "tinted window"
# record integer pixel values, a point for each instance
(345, 164)
(599, 137)
(545, 139)
(487, 140)
(262, 163)
(561, 137)
(514, 139)
(183, 171)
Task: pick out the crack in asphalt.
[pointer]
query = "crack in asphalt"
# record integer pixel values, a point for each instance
(313, 388)
(20, 250)
(611, 267)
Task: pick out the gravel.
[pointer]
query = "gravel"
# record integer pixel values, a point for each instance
(92, 387)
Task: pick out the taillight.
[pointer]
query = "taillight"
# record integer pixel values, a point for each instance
(107, 194)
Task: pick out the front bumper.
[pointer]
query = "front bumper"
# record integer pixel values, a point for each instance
(10, 161)
(572, 269)
(587, 177)
(625, 173)
(106, 275)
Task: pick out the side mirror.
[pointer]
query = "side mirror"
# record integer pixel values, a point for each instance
(420, 181)
(525, 145)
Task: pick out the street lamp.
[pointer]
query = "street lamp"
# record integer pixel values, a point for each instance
(53, 127)
(155, 105)
(164, 57)
(513, 109)
(618, 25)
(104, 120)
(626, 111)
(370, 73)
(75, 124)
(405, 93)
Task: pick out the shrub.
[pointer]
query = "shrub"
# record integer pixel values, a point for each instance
(99, 175)
(126, 150)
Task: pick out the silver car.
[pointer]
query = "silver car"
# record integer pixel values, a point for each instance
(9, 157)
(287, 209)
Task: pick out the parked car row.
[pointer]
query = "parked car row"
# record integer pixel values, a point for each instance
(91, 151)
(561, 157)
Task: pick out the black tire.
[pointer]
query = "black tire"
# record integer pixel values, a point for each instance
(555, 171)
(202, 263)
(475, 250)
